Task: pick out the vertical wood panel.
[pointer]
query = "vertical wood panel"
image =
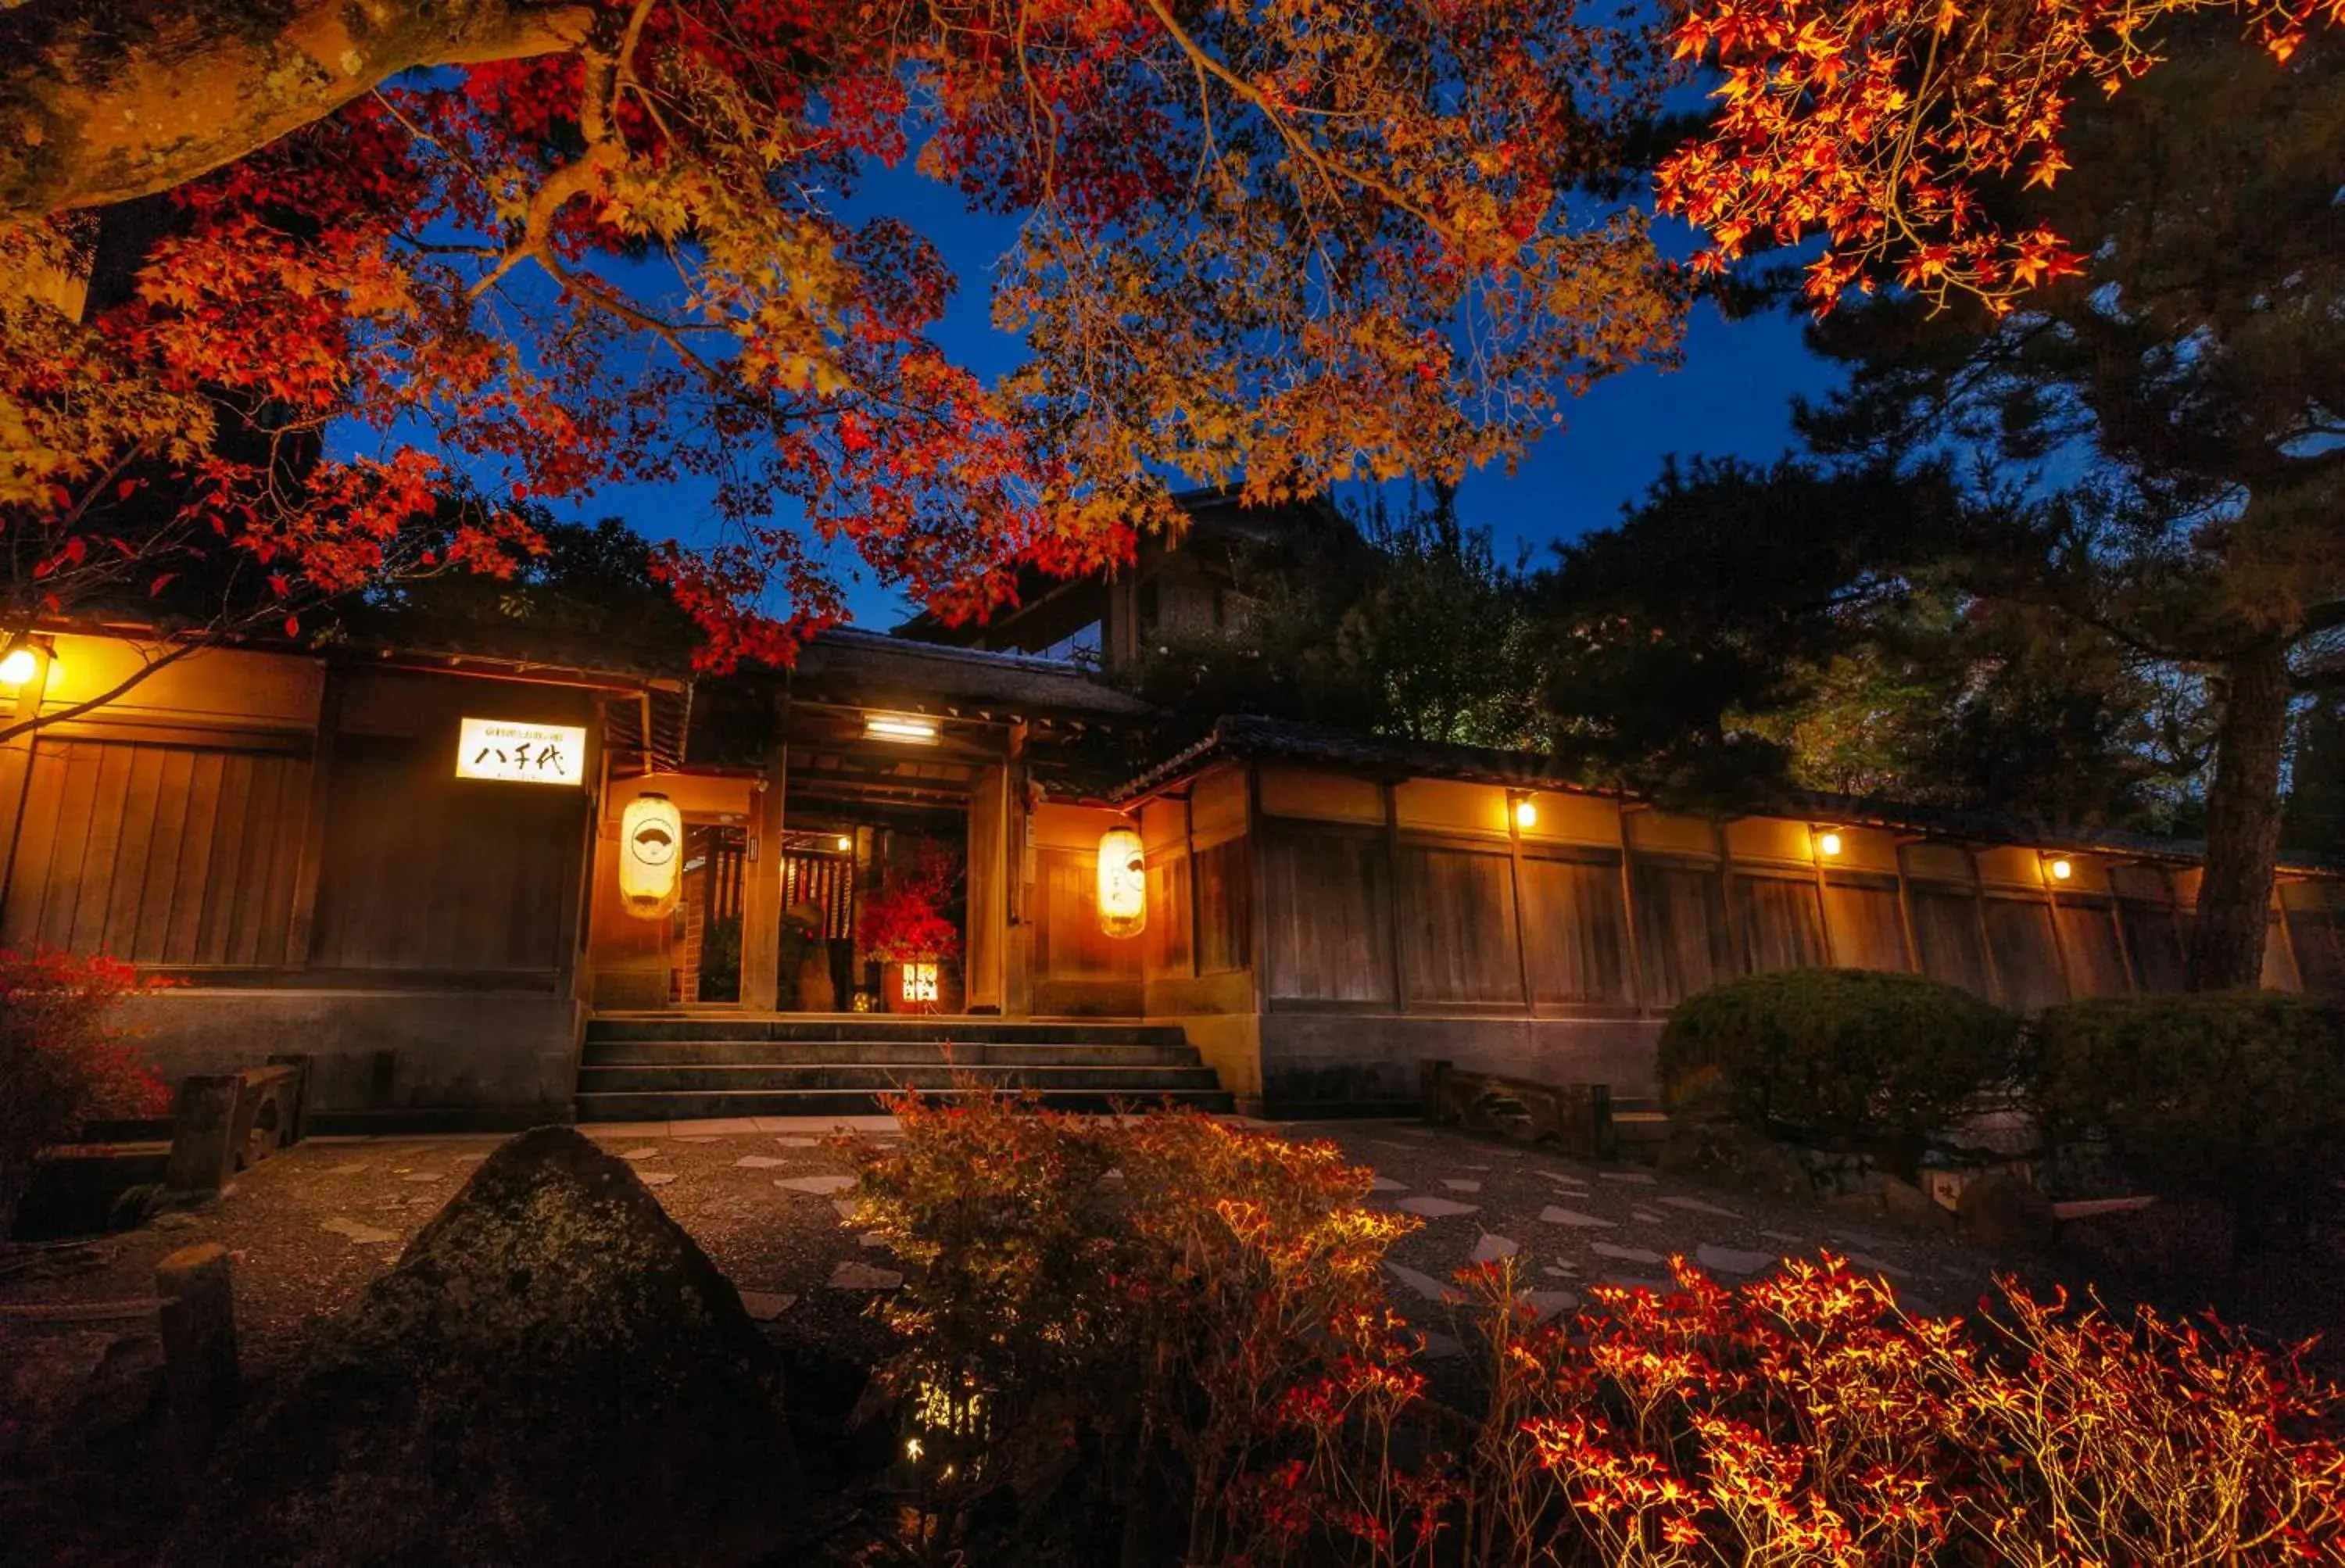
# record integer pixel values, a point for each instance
(1327, 917)
(1457, 922)
(1946, 929)
(1682, 940)
(127, 851)
(1221, 885)
(1866, 927)
(2022, 944)
(2088, 934)
(1782, 922)
(1575, 930)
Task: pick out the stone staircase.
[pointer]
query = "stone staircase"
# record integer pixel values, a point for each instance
(671, 1066)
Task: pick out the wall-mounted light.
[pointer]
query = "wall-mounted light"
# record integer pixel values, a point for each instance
(1828, 842)
(846, 844)
(1526, 812)
(18, 665)
(904, 728)
(651, 854)
(2061, 871)
(1122, 883)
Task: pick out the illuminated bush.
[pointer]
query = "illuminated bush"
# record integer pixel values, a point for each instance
(1840, 1052)
(1168, 1340)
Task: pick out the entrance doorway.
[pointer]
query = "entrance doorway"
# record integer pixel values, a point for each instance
(867, 889)
(705, 928)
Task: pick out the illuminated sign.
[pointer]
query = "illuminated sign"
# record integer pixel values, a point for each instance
(518, 753)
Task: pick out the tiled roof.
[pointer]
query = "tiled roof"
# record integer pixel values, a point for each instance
(1327, 745)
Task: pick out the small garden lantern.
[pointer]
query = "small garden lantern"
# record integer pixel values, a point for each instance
(915, 986)
(1122, 883)
(650, 846)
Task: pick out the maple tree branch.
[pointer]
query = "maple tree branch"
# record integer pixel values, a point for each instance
(94, 116)
(1332, 168)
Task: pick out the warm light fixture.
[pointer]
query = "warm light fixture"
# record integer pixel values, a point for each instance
(1828, 843)
(1526, 813)
(2061, 871)
(844, 843)
(906, 729)
(20, 665)
(917, 988)
(650, 846)
(1122, 883)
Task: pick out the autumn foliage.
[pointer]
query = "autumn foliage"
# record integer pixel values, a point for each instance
(1167, 1339)
(63, 1059)
(631, 240)
(1885, 125)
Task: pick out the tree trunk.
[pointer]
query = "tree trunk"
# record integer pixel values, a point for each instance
(2227, 944)
(102, 103)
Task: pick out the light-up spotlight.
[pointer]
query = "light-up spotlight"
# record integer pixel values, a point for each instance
(905, 728)
(19, 665)
(1526, 813)
(1828, 843)
(2061, 871)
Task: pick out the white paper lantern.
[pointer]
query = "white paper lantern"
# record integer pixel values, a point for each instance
(651, 856)
(1122, 883)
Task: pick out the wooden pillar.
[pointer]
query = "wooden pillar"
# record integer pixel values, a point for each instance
(1522, 926)
(1823, 902)
(2059, 942)
(1905, 914)
(1628, 911)
(304, 921)
(761, 900)
(17, 762)
(1392, 895)
(1986, 938)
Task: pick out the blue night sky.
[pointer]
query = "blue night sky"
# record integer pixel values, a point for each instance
(1731, 396)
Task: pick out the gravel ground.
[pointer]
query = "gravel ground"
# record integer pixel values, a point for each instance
(311, 1228)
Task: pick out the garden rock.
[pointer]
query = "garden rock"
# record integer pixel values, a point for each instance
(1902, 1200)
(554, 1371)
(2004, 1212)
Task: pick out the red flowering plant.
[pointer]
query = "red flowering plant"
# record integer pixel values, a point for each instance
(1807, 1419)
(908, 922)
(1177, 1331)
(62, 1060)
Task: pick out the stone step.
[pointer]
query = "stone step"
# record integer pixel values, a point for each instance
(630, 1107)
(659, 1027)
(1127, 1082)
(879, 1053)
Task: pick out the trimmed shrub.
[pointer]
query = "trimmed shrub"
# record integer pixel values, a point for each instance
(1837, 1053)
(2236, 1095)
(63, 1062)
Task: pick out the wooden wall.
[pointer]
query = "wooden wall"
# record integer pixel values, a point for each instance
(1432, 896)
(1077, 968)
(245, 819)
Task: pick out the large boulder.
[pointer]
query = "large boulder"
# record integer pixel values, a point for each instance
(554, 1372)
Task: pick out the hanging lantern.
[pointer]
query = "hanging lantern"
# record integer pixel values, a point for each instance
(1122, 883)
(651, 856)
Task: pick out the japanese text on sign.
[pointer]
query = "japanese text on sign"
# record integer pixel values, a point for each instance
(520, 753)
